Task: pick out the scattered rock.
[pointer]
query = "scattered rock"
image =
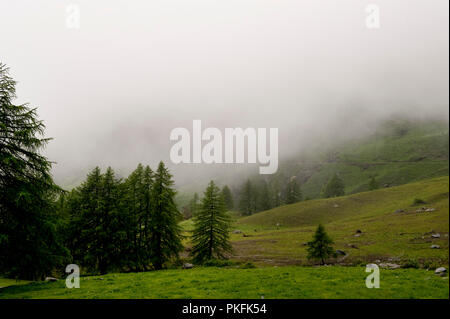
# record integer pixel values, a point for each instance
(356, 235)
(440, 270)
(389, 265)
(245, 235)
(335, 205)
(435, 246)
(188, 266)
(237, 231)
(305, 244)
(340, 252)
(430, 210)
(399, 211)
(51, 279)
(352, 246)
(358, 231)
(436, 235)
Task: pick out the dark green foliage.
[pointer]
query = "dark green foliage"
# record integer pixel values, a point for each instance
(165, 238)
(247, 203)
(211, 227)
(334, 188)
(228, 198)
(418, 201)
(264, 198)
(137, 216)
(320, 247)
(129, 225)
(29, 243)
(293, 192)
(373, 184)
(194, 204)
(96, 221)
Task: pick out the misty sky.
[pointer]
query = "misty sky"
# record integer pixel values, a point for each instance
(111, 91)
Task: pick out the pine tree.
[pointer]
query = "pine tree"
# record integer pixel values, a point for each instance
(264, 197)
(373, 184)
(97, 234)
(165, 232)
(211, 227)
(293, 192)
(30, 246)
(320, 247)
(334, 188)
(229, 203)
(247, 203)
(138, 214)
(194, 204)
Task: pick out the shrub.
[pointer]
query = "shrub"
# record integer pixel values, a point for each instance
(411, 263)
(418, 201)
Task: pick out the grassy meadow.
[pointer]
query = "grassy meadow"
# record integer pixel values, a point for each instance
(268, 282)
(269, 257)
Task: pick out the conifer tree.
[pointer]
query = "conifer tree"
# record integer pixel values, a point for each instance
(165, 241)
(194, 204)
(138, 214)
(247, 203)
(264, 196)
(320, 247)
(293, 192)
(228, 197)
(373, 184)
(211, 227)
(334, 188)
(30, 247)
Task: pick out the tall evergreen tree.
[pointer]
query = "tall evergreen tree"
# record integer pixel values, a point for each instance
(320, 247)
(373, 184)
(211, 227)
(30, 247)
(228, 197)
(247, 203)
(96, 229)
(165, 232)
(138, 215)
(293, 192)
(264, 197)
(334, 188)
(194, 204)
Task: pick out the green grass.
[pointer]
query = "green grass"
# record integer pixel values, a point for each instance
(5, 282)
(386, 235)
(270, 282)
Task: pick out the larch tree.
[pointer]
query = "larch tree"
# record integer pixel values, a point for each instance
(228, 197)
(211, 227)
(30, 247)
(320, 247)
(165, 241)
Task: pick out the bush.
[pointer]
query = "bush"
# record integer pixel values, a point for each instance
(418, 201)
(218, 263)
(411, 263)
(247, 265)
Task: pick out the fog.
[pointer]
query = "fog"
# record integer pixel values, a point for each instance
(111, 91)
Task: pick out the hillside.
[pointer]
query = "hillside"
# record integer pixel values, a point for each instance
(398, 152)
(392, 227)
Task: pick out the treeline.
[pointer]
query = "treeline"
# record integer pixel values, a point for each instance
(105, 224)
(122, 224)
(260, 194)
